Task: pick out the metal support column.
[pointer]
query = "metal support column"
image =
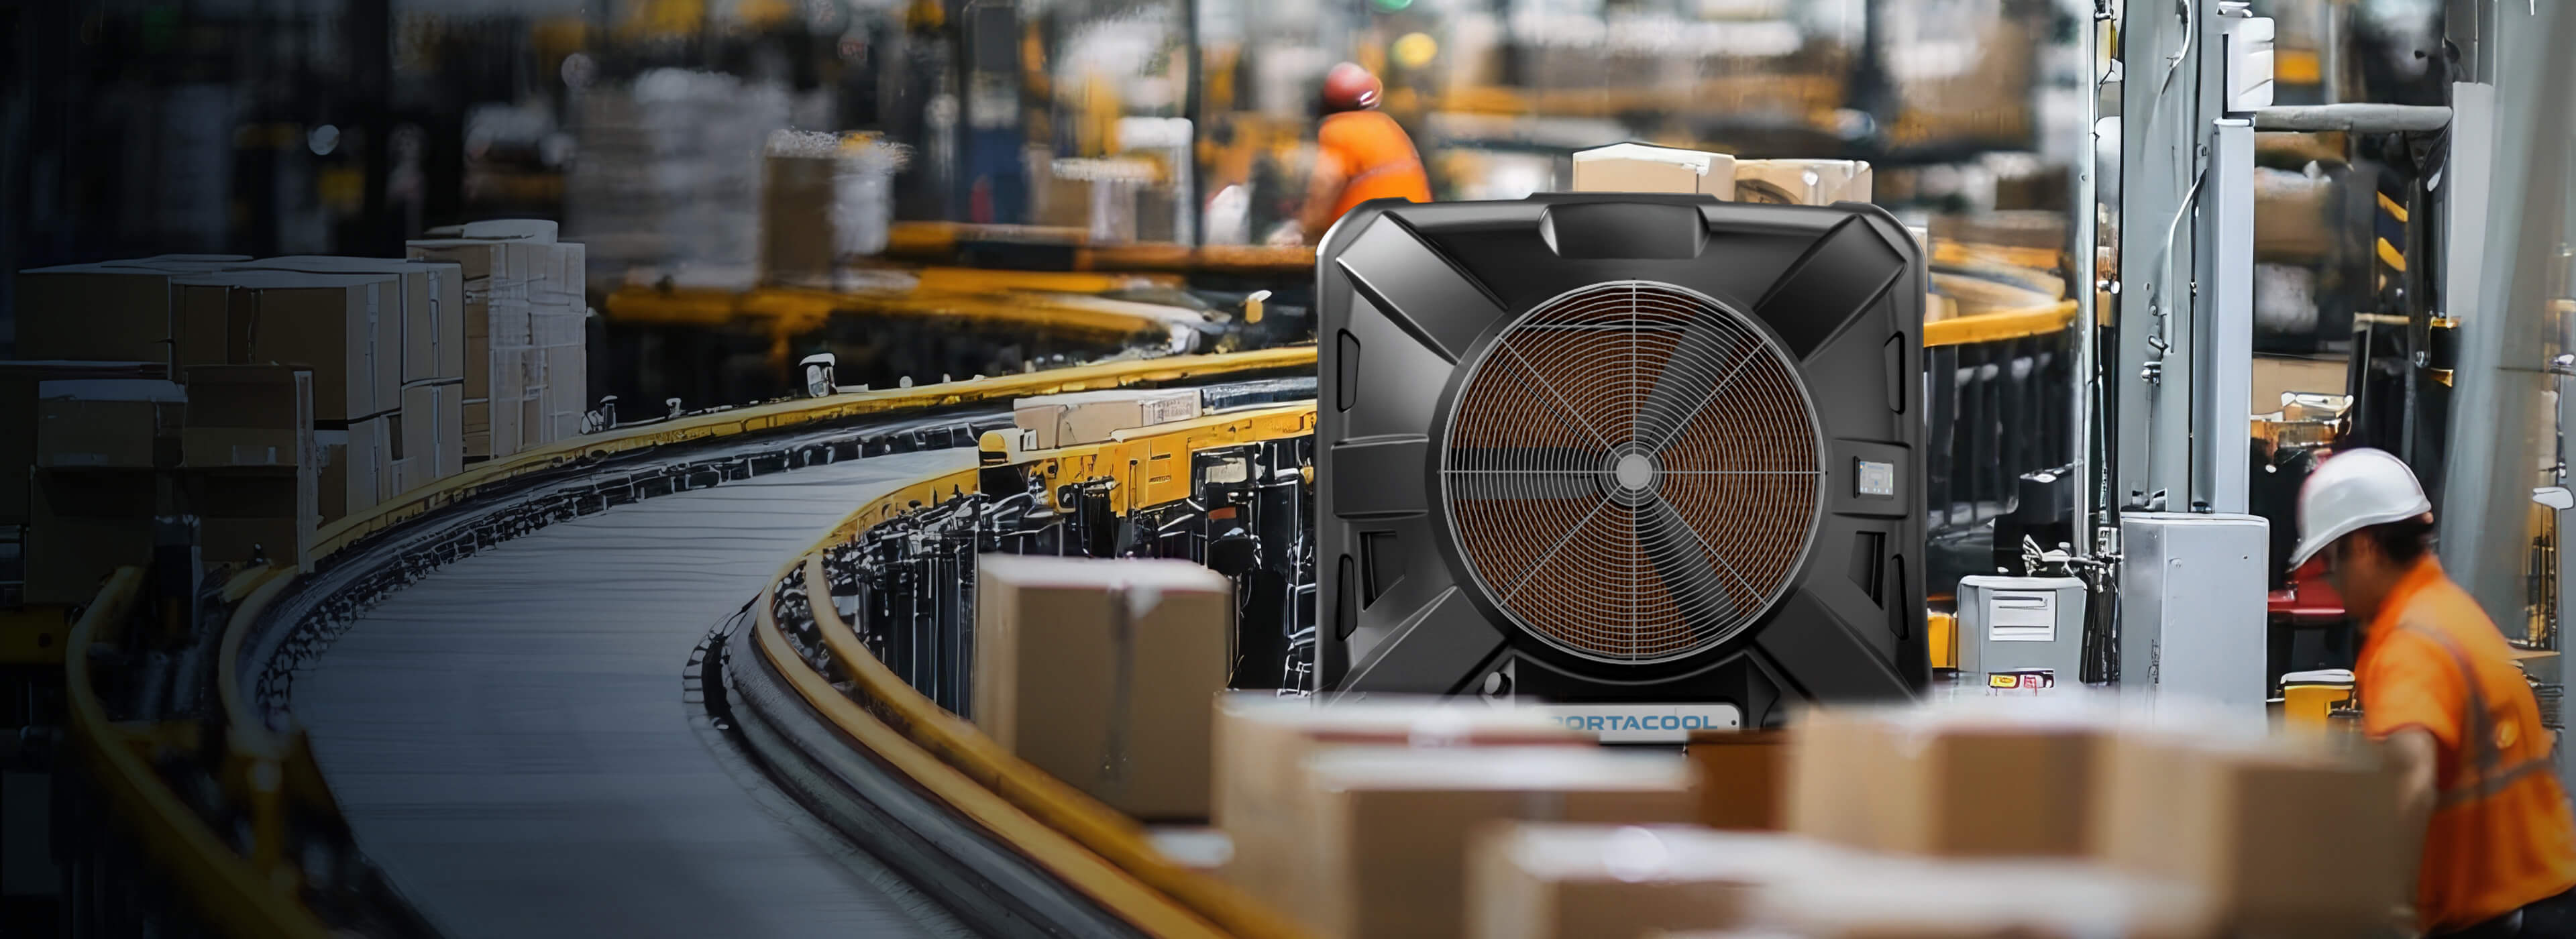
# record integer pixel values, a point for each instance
(2162, 107)
(2223, 338)
(2088, 469)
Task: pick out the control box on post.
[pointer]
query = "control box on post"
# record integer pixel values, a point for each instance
(2020, 633)
(2193, 611)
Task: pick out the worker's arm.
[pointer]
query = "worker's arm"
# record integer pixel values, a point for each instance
(1323, 193)
(2413, 754)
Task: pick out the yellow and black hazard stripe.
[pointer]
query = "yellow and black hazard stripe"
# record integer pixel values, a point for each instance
(2388, 228)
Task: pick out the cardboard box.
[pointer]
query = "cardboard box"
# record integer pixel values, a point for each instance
(477, 427)
(345, 327)
(203, 308)
(108, 423)
(2287, 838)
(565, 398)
(531, 230)
(1637, 167)
(482, 262)
(1543, 881)
(2275, 376)
(1263, 740)
(1388, 847)
(1741, 774)
(82, 526)
(796, 201)
(18, 383)
(178, 261)
(1100, 673)
(1826, 793)
(243, 416)
(1068, 420)
(1947, 783)
(244, 518)
(116, 311)
(429, 312)
(1802, 182)
(478, 377)
(510, 418)
(431, 435)
(356, 467)
(1904, 898)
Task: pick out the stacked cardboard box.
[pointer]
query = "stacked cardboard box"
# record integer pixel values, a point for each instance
(823, 197)
(1100, 673)
(1388, 844)
(1740, 773)
(1906, 898)
(425, 418)
(2287, 839)
(348, 329)
(112, 311)
(95, 493)
(1637, 167)
(18, 383)
(1262, 742)
(1634, 167)
(247, 453)
(1549, 881)
(526, 372)
(1802, 182)
(1944, 783)
(1066, 420)
(2282, 834)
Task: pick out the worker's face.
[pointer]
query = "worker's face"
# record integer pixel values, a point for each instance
(2359, 574)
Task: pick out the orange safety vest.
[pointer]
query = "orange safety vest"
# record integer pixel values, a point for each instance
(2501, 836)
(1375, 157)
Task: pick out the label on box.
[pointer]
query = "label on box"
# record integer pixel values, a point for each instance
(2026, 680)
(2024, 616)
(1644, 723)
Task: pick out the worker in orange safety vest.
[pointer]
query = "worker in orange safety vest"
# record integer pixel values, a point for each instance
(2478, 792)
(1360, 154)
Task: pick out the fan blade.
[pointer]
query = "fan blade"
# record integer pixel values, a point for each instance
(1573, 460)
(1705, 357)
(1516, 486)
(1523, 473)
(1682, 561)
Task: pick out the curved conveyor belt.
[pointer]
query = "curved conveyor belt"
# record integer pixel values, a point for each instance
(510, 741)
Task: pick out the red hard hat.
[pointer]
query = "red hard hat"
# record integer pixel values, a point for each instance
(1348, 87)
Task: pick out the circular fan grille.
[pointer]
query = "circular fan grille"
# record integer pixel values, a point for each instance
(1633, 472)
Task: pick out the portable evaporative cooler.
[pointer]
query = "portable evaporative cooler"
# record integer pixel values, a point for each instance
(1621, 449)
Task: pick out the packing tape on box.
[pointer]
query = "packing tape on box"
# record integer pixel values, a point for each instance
(1442, 727)
(1127, 604)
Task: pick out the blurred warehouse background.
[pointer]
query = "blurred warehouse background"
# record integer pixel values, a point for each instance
(721, 145)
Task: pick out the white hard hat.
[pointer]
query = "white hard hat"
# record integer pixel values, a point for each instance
(2351, 491)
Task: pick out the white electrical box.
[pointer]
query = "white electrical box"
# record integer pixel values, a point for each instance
(2193, 606)
(2248, 42)
(2019, 634)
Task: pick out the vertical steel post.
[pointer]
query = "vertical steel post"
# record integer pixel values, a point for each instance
(2223, 340)
(2087, 240)
(2169, 93)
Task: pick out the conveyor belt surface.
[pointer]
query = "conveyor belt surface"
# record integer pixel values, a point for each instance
(510, 742)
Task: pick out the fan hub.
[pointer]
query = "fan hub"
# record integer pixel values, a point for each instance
(1634, 471)
(1630, 475)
